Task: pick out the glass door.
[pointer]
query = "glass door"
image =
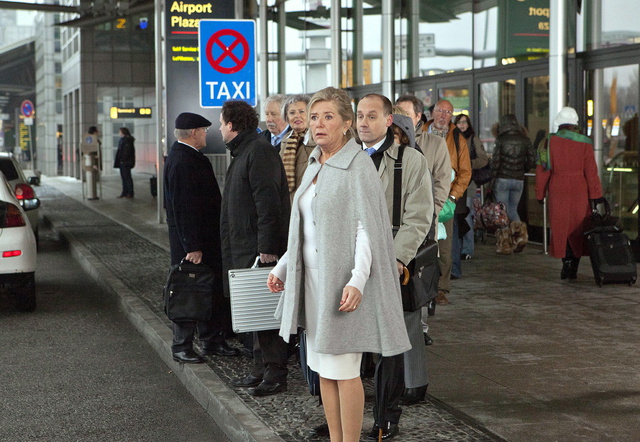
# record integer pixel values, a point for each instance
(612, 105)
(536, 120)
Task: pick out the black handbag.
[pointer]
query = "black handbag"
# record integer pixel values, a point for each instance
(188, 293)
(419, 284)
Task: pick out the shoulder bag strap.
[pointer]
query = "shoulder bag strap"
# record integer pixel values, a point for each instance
(397, 190)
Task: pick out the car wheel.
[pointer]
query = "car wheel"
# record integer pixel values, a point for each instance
(25, 292)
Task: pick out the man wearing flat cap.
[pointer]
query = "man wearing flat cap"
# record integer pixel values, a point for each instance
(192, 200)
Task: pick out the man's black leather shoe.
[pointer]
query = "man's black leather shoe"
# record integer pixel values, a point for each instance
(412, 396)
(321, 430)
(221, 349)
(387, 433)
(247, 381)
(187, 357)
(267, 388)
(427, 339)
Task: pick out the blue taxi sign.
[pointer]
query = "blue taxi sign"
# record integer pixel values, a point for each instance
(227, 61)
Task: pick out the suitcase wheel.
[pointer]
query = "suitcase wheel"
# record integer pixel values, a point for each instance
(600, 281)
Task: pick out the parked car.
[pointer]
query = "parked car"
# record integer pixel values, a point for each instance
(22, 188)
(18, 250)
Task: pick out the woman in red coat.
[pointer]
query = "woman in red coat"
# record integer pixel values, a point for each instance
(567, 170)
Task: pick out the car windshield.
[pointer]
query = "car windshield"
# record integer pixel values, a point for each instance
(9, 170)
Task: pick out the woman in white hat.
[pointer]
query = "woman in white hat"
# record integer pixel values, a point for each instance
(567, 170)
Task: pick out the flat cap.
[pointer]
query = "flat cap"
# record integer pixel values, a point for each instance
(187, 120)
(567, 115)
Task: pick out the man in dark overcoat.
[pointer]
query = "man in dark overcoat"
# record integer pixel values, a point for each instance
(192, 200)
(254, 223)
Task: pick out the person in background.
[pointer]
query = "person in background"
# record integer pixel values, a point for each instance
(125, 161)
(277, 127)
(513, 156)
(253, 223)
(192, 201)
(479, 159)
(436, 152)
(566, 168)
(340, 286)
(297, 144)
(442, 126)
(93, 130)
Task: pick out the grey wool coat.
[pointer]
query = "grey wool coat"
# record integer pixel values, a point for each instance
(348, 190)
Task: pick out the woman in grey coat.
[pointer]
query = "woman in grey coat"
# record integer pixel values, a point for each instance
(340, 286)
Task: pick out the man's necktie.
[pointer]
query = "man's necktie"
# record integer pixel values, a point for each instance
(370, 150)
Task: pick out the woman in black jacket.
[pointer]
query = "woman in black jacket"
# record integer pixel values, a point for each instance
(125, 161)
(512, 157)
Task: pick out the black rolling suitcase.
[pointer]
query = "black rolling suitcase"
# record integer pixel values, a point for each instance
(610, 250)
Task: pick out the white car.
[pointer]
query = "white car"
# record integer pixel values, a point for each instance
(18, 249)
(22, 188)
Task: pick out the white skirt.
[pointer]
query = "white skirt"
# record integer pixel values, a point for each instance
(329, 366)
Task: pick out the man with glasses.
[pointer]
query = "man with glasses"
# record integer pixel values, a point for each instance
(192, 200)
(277, 127)
(442, 126)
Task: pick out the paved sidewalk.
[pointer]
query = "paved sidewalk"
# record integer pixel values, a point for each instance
(518, 354)
(123, 247)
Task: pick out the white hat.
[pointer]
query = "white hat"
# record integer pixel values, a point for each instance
(567, 115)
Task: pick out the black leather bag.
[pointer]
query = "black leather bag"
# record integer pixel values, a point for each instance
(188, 292)
(419, 284)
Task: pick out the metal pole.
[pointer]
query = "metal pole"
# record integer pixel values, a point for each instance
(388, 52)
(282, 55)
(358, 49)
(263, 80)
(336, 45)
(161, 109)
(557, 59)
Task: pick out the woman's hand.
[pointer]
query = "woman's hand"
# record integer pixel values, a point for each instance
(274, 283)
(351, 299)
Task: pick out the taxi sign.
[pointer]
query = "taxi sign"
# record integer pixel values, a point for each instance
(227, 61)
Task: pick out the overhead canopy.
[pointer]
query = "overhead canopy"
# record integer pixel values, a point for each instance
(17, 73)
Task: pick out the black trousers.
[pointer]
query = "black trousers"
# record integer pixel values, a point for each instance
(389, 377)
(209, 333)
(270, 354)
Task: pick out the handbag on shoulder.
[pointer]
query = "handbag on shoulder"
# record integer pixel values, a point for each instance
(188, 292)
(419, 283)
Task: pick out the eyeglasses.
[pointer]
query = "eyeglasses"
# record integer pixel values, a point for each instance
(205, 129)
(442, 111)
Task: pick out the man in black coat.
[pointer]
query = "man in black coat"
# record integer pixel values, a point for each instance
(254, 222)
(192, 200)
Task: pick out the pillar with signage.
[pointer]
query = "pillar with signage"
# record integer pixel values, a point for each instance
(181, 63)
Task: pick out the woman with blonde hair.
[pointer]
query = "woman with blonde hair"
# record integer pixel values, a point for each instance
(340, 286)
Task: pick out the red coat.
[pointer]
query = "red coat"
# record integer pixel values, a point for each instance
(572, 181)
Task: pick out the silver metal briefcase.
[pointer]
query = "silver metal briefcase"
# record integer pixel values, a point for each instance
(252, 304)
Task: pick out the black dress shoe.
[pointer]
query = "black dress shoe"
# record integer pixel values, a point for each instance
(412, 396)
(427, 339)
(247, 381)
(389, 432)
(320, 431)
(221, 349)
(187, 357)
(267, 388)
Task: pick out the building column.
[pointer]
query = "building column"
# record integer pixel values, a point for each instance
(557, 59)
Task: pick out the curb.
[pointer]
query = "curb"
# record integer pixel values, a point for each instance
(233, 416)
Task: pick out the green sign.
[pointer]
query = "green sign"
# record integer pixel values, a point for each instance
(526, 29)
